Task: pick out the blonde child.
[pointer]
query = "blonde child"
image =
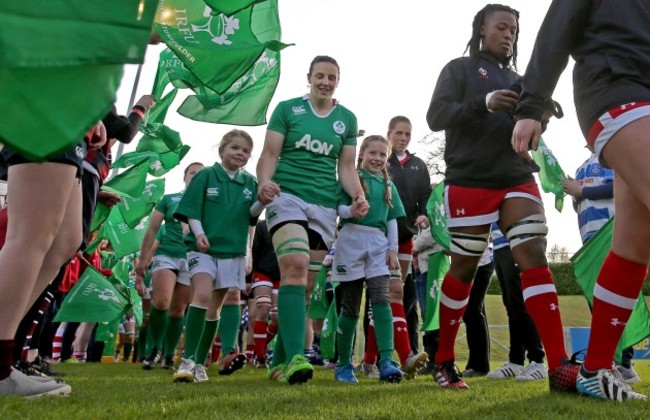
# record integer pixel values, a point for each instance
(216, 206)
(366, 250)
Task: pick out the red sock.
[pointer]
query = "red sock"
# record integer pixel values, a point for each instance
(6, 358)
(216, 349)
(271, 332)
(400, 332)
(454, 295)
(371, 352)
(250, 351)
(615, 295)
(542, 304)
(57, 343)
(259, 335)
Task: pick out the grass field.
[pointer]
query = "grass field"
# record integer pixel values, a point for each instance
(107, 391)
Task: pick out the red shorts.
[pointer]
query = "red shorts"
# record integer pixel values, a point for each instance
(466, 206)
(613, 120)
(260, 279)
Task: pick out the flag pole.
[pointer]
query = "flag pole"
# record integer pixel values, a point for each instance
(120, 147)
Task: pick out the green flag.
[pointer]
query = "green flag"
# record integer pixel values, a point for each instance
(125, 240)
(218, 49)
(135, 305)
(106, 332)
(161, 147)
(328, 334)
(129, 183)
(49, 51)
(551, 174)
(134, 209)
(438, 267)
(92, 299)
(587, 263)
(172, 70)
(157, 114)
(245, 103)
(437, 217)
(229, 7)
(318, 305)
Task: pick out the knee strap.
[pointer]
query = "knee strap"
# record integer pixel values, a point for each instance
(263, 300)
(468, 244)
(528, 228)
(291, 239)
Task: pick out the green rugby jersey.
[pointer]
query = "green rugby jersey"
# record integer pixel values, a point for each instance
(307, 166)
(223, 207)
(171, 241)
(379, 212)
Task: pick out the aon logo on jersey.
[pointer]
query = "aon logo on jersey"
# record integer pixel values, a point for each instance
(314, 145)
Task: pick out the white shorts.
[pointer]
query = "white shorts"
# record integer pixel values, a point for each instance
(289, 207)
(178, 265)
(226, 273)
(360, 253)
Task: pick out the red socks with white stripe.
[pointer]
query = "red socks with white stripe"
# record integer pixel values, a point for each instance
(400, 332)
(542, 304)
(615, 295)
(454, 295)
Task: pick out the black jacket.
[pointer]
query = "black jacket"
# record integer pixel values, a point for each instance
(414, 188)
(610, 42)
(478, 151)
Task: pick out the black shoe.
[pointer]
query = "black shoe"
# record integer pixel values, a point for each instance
(149, 363)
(167, 363)
(46, 368)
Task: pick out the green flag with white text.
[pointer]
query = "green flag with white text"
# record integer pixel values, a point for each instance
(245, 103)
(587, 263)
(134, 209)
(216, 48)
(124, 240)
(61, 64)
(171, 69)
(437, 217)
(92, 299)
(551, 174)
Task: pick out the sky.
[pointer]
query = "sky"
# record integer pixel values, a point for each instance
(390, 55)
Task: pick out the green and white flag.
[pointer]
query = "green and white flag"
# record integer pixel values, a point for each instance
(438, 267)
(216, 48)
(124, 240)
(171, 69)
(318, 305)
(245, 103)
(133, 210)
(587, 263)
(61, 64)
(551, 174)
(92, 299)
(161, 147)
(437, 217)
(328, 334)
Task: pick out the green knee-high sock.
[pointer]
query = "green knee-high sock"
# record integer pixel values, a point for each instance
(193, 330)
(157, 326)
(230, 317)
(383, 330)
(344, 338)
(279, 355)
(172, 336)
(207, 338)
(291, 314)
(142, 343)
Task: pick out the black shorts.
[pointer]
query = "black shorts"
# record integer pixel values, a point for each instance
(73, 156)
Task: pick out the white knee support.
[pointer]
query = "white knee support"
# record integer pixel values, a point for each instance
(263, 300)
(290, 239)
(528, 228)
(468, 244)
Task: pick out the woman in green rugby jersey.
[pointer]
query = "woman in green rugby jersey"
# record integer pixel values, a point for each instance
(310, 142)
